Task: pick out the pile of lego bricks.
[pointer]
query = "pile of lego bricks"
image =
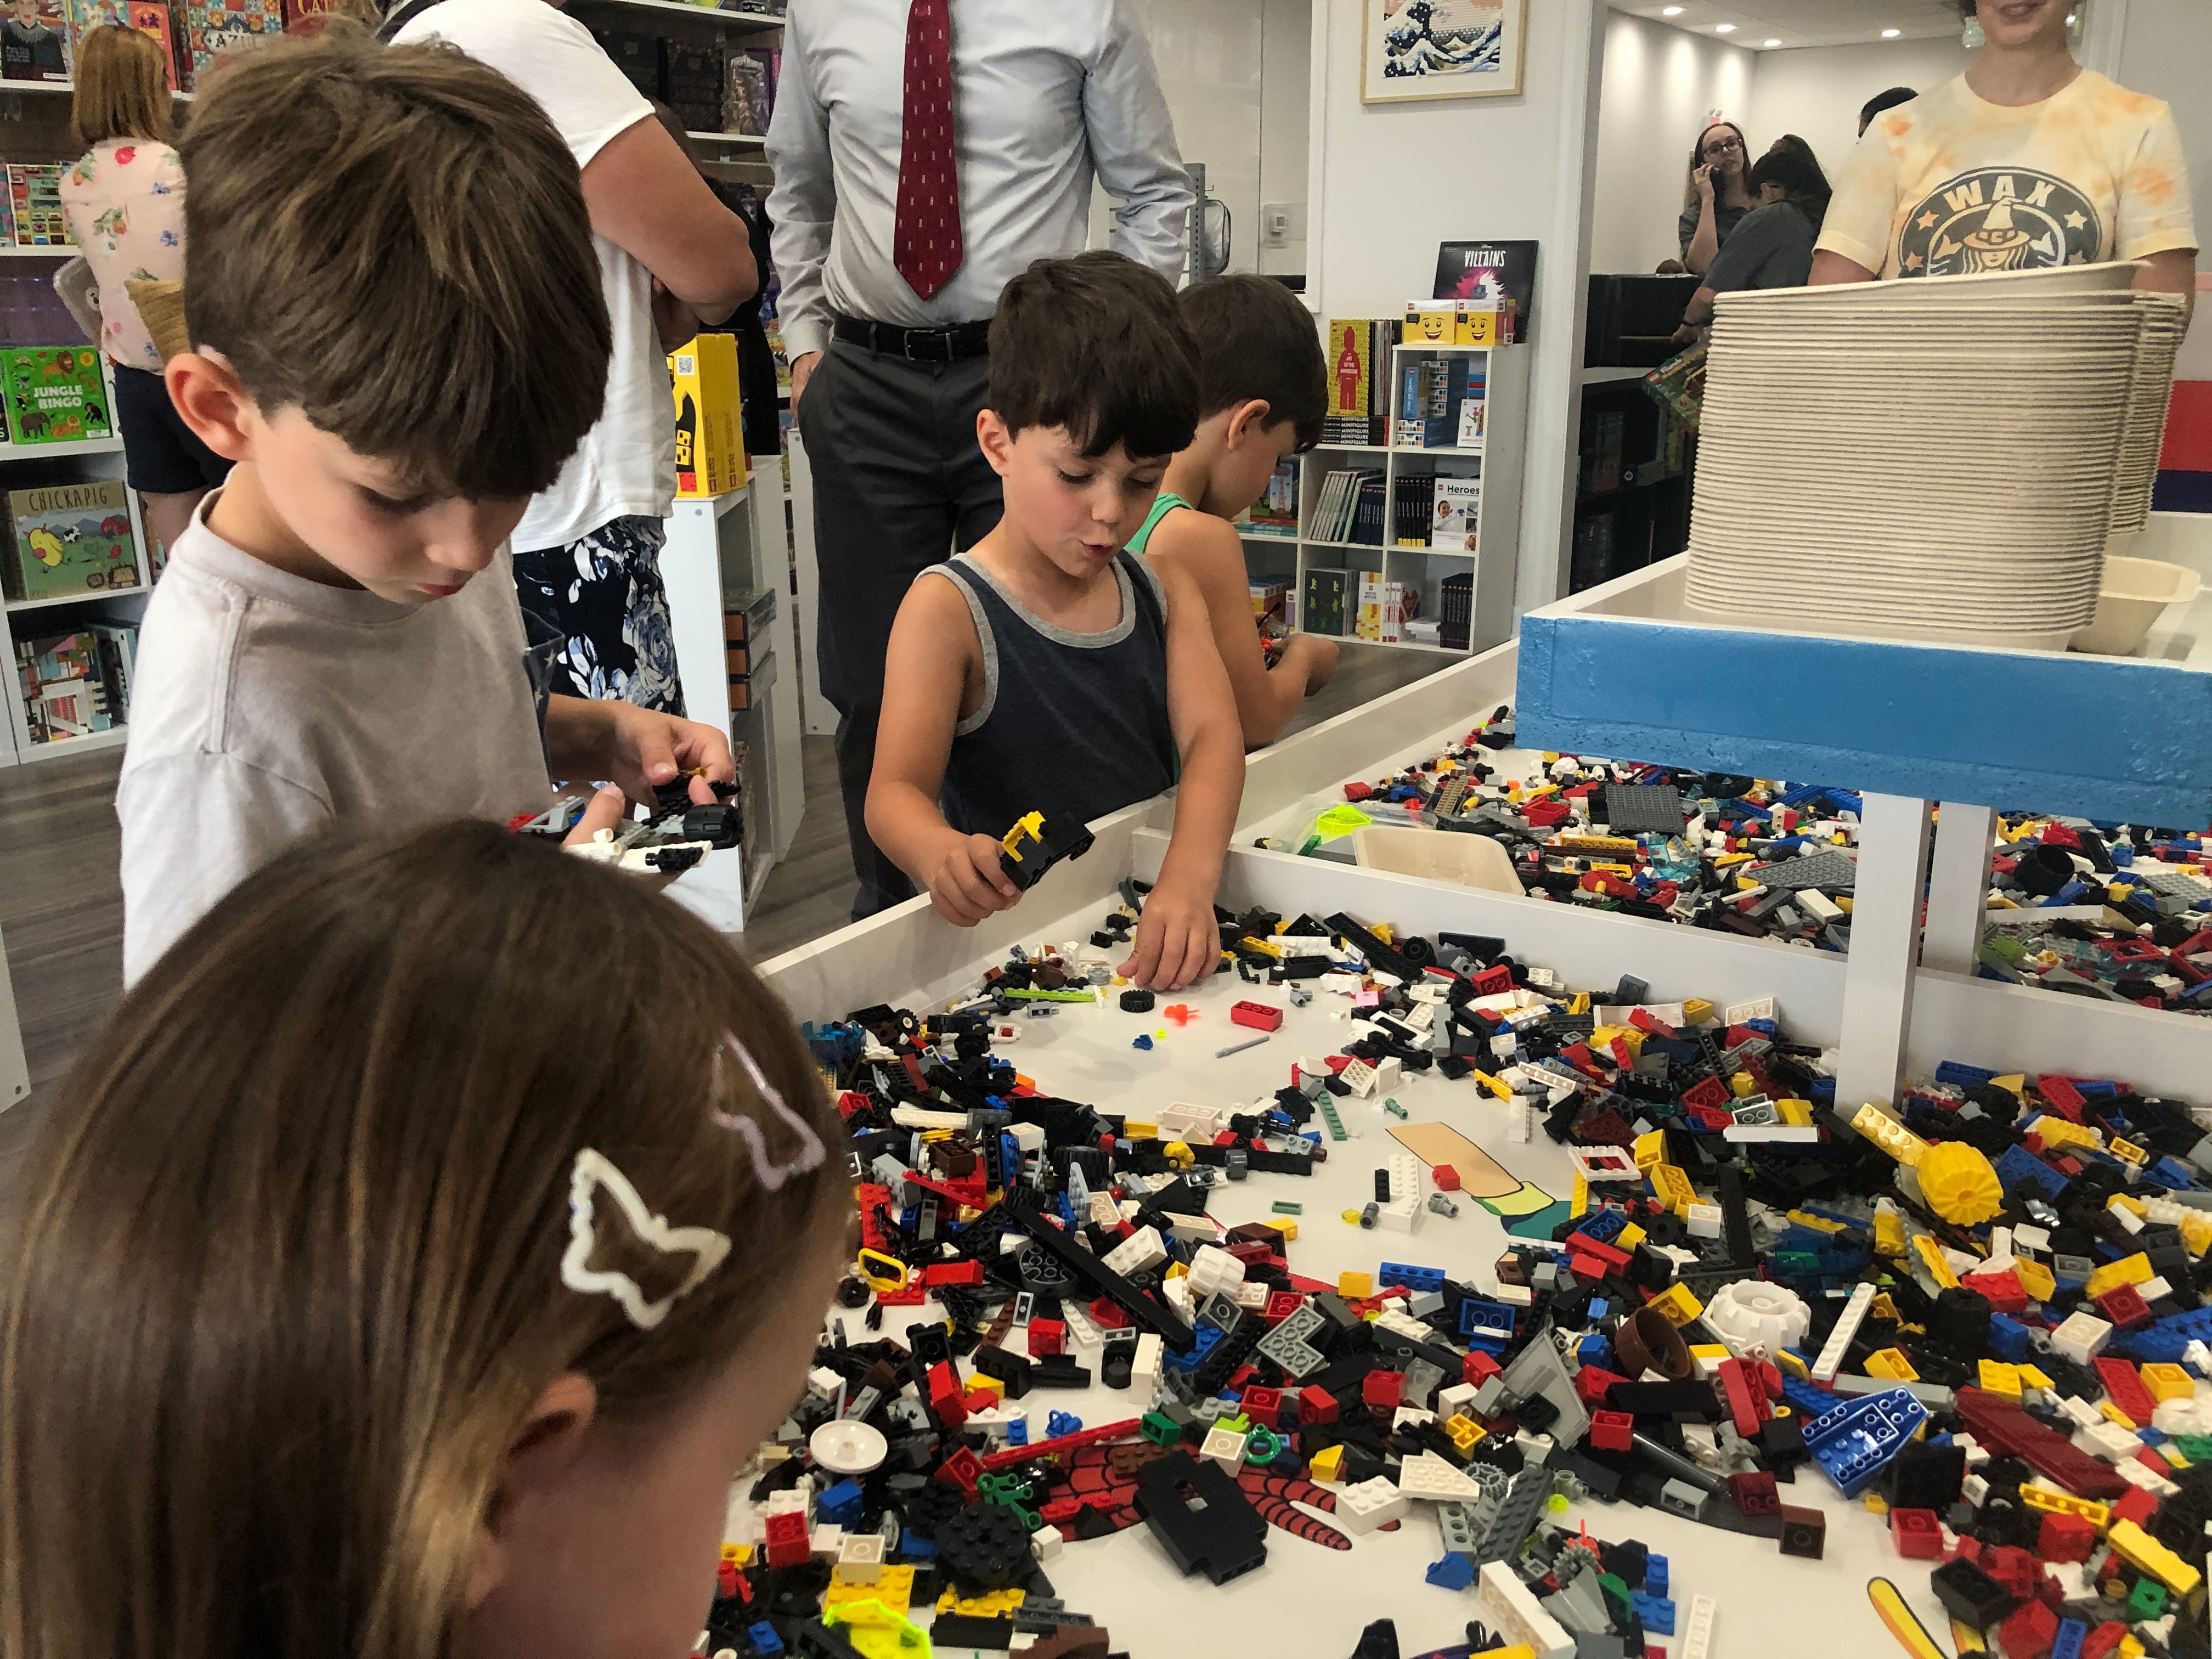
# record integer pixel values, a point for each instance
(1750, 1285)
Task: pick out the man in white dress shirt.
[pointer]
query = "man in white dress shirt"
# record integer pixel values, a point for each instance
(926, 151)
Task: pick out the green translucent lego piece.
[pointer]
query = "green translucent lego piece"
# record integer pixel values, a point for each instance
(1284, 1206)
(1049, 996)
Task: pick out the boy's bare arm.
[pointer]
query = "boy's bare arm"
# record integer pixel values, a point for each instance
(933, 651)
(1177, 941)
(1207, 549)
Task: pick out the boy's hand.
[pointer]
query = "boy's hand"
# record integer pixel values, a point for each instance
(966, 883)
(1319, 660)
(605, 811)
(649, 747)
(1178, 942)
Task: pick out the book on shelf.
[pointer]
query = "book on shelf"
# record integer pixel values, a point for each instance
(153, 17)
(119, 665)
(1360, 385)
(1501, 275)
(1390, 614)
(1322, 609)
(214, 26)
(1368, 619)
(69, 540)
(1276, 513)
(1452, 520)
(35, 201)
(1410, 511)
(691, 84)
(1455, 611)
(749, 91)
(34, 42)
(1268, 597)
(635, 52)
(64, 690)
(55, 394)
(1370, 512)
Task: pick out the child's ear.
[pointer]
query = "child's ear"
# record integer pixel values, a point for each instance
(209, 397)
(530, 1487)
(1247, 420)
(996, 442)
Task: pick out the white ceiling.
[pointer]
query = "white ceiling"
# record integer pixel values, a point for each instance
(1805, 23)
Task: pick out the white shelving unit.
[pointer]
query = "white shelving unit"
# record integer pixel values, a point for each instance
(37, 618)
(1497, 463)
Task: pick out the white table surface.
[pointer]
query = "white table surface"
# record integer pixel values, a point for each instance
(1308, 1599)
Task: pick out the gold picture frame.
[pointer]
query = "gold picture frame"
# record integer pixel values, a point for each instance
(1403, 60)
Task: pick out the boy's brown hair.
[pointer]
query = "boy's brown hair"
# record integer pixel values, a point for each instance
(1254, 340)
(1093, 343)
(394, 241)
(289, 1272)
(122, 89)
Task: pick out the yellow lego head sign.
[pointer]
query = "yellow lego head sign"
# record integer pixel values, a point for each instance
(710, 444)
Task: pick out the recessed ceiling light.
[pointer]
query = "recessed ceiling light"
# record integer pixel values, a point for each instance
(1773, 43)
(1670, 11)
(1723, 29)
(1891, 34)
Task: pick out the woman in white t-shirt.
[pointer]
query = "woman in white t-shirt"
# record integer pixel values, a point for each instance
(2026, 160)
(671, 256)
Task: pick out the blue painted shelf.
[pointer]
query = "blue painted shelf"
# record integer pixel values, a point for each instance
(1625, 671)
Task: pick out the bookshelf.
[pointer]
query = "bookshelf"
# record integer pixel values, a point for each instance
(1496, 462)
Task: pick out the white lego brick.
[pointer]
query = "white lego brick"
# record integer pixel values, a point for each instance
(1193, 1229)
(826, 1541)
(1214, 1269)
(1410, 1416)
(1363, 1507)
(1082, 1330)
(1405, 1176)
(1399, 1216)
(1697, 1639)
(1847, 1325)
(860, 1558)
(1536, 1447)
(1251, 1295)
(1183, 1121)
(2027, 1238)
(1514, 1296)
(2137, 1473)
(1737, 1013)
(2153, 1287)
(2108, 1441)
(1704, 1220)
(2197, 1356)
(1225, 1447)
(2082, 1338)
(1145, 1370)
(1510, 1613)
(1104, 1211)
(822, 1382)
(1390, 1073)
(1028, 1136)
(1046, 1541)
(1360, 1078)
(1976, 1489)
(2084, 1415)
(1403, 1324)
(1430, 1477)
(1140, 1249)
(2129, 1220)
(1521, 1119)
(1457, 1401)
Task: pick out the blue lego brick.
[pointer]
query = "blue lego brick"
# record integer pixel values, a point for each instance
(1604, 1226)
(2096, 1085)
(1412, 1277)
(914, 1548)
(1208, 1336)
(1852, 1443)
(2164, 1340)
(2007, 1339)
(1657, 1611)
(1824, 1091)
(1487, 1325)
(2172, 1172)
(1595, 1350)
(1655, 1575)
(1453, 1572)
(2124, 854)
(2017, 1164)
(2067, 1642)
(1960, 1075)
(761, 1641)
(1810, 1398)
(841, 1504)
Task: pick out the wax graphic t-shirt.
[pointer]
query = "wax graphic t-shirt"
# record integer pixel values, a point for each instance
(1952, 185)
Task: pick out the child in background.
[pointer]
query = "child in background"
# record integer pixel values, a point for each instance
(431, 1236)
(1263, 388)
(399, 337)
(1048, 668)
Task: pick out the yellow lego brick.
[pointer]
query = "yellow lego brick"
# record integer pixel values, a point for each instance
(2114, 1414)
(1931, 1253)
(1355, 1287)
(2134, 1206)
(1497, 1086)
(1325, 1467)
(1466, 1433)
(1743, 1085)
(2033, 1377)
(2059, 1132)
(1628, 1238)
(1797, 1113)
(2063, 1502)
(737, 1554)
(1892, 1366)
(2168, 1381)
(894, 1588)
(1283, 1225)
(1579, 1203)
(2012, 1084)
(2146, 1554)
(1874, 1503)
(1650, 1150)
(1133, 1130)
(1886, 1133)
(1677, 1305)
(1696, 1010)
(2128, 1270)
(2000, 1380)
(1888, 1233)
(1746, 885)
(2127, 1152)
(2130, 1648)
(996, 1605)
(1596, 843)
(1711, 1356)
(1176, 1270)
(2035, 1278)
(984, 1380)
(1881, 1307)
(1602, 1036)
(1819, 1224)
(1672, 1188)
(2196, 1231)
(1579, 1003)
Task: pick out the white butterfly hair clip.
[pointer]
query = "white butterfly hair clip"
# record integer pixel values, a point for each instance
(772, 1175)
(593, 1173)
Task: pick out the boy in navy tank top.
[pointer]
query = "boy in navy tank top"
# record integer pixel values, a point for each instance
(1048, 669)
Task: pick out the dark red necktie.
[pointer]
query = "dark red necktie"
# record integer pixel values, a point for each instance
(926, 248)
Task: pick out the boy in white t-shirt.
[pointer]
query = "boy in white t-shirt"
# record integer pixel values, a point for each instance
(399, 339)
(2026, 160)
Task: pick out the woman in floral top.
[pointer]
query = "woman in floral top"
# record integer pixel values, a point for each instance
(126, 203)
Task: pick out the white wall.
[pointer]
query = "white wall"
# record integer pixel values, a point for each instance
(1286, 50)
(2165, 52)
(1662, 86)
(1390, 181)
(1817, 92)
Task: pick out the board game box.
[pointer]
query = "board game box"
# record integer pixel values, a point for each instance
(69, 540)
(34, 198)
(55, 394)
(212, 26)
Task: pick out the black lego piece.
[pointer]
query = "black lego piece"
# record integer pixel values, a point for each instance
(1201, 1516)
(1379, 955)
(1035, 844)
(1140, 1307)
(985, 1546)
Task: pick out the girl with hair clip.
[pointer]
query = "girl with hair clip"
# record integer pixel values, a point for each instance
(435, 1231)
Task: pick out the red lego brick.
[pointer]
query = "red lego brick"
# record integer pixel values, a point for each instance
(2136, 1504)
(1478, 1368)
(953, 1273)
(1264, 1406)
(1106, 1313)
(2066, 1537)
(1013, 1456)
(1493, 981)
(1315, 1405)
(1257, 1015)
(787, 1542)
(1047, 1337)
(1918, 1534)
(2124, 1305)
(1591, 1382)
(1755, 1494)
(2061, 1096)
(1382, 1391)
(2014, 1568)
(1747, 1399)
(946, 1396)
(2004, 1428)
(961, 1468)
(1583, 1244)
(2003, 1291)
(2102, 1641)
(2124, 1387)
(1610, 1431)
(2027, 1632)
(1281, 1304)
(1445, 1176)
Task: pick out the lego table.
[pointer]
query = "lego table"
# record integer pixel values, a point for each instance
(1308, 1602)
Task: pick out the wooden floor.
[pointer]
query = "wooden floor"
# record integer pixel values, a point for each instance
(61, 905)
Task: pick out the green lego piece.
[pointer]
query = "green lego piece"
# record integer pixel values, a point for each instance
(1284, 1206)
(2196, 1447)
(2148, 1601)
(1160, 1429)
(1049, 996)
(1395, 1110)
(1327, 1108)
(1263, 1444)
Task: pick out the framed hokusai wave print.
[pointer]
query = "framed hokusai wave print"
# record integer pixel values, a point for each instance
(1421, 49)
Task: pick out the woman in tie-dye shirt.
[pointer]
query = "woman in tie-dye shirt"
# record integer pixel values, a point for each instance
(2026, 159)
(126, 203)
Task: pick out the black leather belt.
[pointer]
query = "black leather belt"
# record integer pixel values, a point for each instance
(921, 345)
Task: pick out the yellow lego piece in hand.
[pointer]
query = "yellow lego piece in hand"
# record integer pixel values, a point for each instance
(1355, 1287)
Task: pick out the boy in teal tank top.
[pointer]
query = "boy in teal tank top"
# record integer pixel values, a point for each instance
(1263, 388)
(1048, 669)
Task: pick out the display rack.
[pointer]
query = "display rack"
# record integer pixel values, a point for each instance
(1497, 462)
(31, 619)
(1625, 669)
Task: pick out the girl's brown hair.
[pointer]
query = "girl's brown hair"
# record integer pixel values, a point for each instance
(122, 88)
(1698, 159)
(289, 1279)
